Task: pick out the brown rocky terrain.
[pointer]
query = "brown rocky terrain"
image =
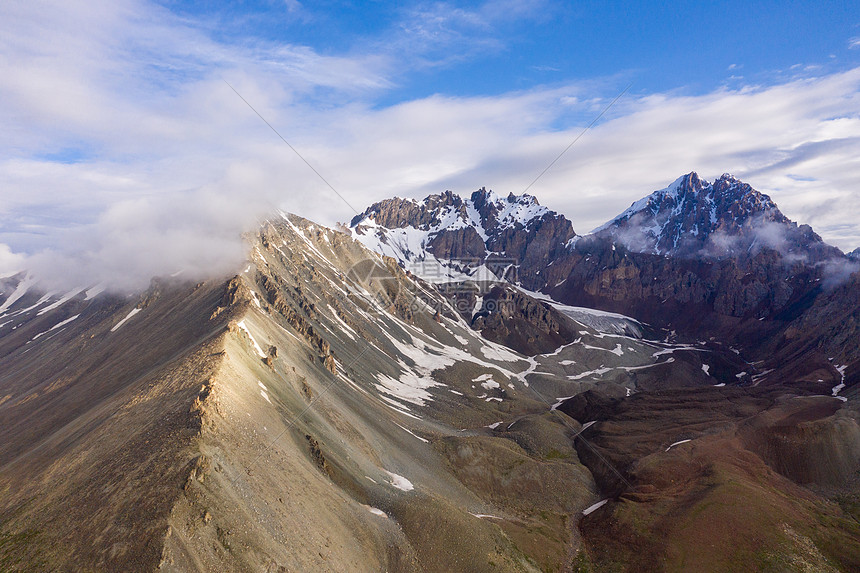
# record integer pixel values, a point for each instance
(292, 417)
(722, 479)
(327, 409)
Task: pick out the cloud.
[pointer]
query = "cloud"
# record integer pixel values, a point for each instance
(805, 128)
(437, 34)
(124, 154)
(195, 233)
(123, 110)
(10, 263)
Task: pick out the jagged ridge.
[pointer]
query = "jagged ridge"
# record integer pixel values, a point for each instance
(484, 236)
(694, 218)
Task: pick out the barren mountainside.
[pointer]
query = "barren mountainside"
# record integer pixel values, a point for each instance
(451, 385)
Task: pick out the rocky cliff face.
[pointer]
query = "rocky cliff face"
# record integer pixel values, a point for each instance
(513, 235)
(510, 317)
(599, 272)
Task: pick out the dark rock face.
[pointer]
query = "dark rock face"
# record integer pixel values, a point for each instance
(535, 247)
(509, 317)
(829, 325)
(608, 275)
(397, 213)
(516, 230)
(462, 243)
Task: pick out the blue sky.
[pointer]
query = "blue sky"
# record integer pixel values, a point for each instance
(125, 153)
(486, 48)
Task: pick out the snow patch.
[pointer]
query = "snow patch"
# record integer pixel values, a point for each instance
(493, 351)
(597, 372)
(93, 292)
(241, 324)
(413, 434)
(677, 444)
(838, 388)
(62, 300)
(56, 326)
(592, 508)
(485, 516)
(560, 401)
(400, 482)
(487, 381)
(123, 321)
(19, 291)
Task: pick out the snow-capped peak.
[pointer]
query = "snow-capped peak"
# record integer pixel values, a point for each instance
(447, 227)
(693, 216)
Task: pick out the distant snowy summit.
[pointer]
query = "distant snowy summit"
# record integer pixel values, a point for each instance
(692, 218)
(448, 237)
(722, 246)
(482, 237)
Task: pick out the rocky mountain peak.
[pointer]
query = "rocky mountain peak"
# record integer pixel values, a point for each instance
(446, 227)
(695, 218)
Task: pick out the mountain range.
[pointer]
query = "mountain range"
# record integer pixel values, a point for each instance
(453, 384)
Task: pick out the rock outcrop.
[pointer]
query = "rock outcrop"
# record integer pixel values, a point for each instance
(510, 317)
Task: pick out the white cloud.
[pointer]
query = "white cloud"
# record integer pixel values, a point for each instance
(293, 5)
(795, 141)
(434, 34)
(165, 165)
(10, 263)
